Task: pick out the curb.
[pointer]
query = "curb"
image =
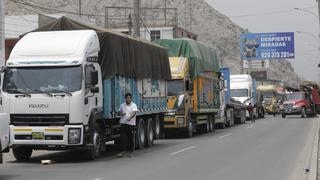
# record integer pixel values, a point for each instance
(313, 171)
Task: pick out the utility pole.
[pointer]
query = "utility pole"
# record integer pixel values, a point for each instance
(130, 25)
(2, 35)
(136, 19)
(319, 15)
(165, 13)
(190, 14)
(80, 8)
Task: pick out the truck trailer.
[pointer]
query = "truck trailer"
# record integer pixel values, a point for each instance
(193, 92)
(63, 86)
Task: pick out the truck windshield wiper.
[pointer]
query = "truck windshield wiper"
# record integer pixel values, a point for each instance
(23, 93)
(38, 90)
(61, 91)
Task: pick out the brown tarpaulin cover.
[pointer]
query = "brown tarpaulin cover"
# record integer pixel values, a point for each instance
(121, 54)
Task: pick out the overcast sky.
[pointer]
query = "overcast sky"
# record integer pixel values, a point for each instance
(280, 16)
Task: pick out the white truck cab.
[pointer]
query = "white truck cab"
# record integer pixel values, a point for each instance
(242, 89)
(51, 89)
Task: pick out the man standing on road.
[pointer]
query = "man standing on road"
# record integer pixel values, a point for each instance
(127, 111)
(250, 110)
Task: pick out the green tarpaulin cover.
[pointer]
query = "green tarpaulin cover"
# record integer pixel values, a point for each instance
(121, 54)
(201, 57)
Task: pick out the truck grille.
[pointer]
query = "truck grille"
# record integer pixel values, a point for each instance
(288, 106)
(39, 119)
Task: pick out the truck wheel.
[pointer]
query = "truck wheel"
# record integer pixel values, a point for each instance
(150, 133)
(22, 153)
(156, 127)
(141, 134)
(303, 112)
(95, 149)
(207, 129)
(189, 130)
(117, 143)
(212, 125)
(283, 115)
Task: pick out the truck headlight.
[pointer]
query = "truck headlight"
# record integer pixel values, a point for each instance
(74, 135)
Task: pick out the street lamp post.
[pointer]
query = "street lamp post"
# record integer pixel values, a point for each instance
(310, 12)
(318, 41)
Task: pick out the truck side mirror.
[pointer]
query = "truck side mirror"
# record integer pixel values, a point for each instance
(94, 78)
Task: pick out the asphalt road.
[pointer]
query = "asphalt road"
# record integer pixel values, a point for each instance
(270, 149)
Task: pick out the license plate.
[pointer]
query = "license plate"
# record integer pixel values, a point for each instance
(37, 135)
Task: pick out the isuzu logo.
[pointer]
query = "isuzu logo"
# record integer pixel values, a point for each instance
(38, 105)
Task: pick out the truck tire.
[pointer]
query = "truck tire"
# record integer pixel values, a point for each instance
(303, 112)
(156, 127)
(22, 153)
(212, 124)
(207, 129)
(189, 130)
(262, 114)
(140, 134)
(283, 115)
(149, 133)
(117, 143)
(95, 149)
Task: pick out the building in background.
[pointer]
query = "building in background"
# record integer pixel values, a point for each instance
(155, 33)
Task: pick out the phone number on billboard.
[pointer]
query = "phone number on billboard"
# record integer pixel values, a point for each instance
(275, 55)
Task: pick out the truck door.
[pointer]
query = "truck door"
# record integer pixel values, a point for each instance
(93, 89)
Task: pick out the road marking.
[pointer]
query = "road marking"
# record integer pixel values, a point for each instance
(97, 179)
(182, 150)
(249, 126)
(225, 135)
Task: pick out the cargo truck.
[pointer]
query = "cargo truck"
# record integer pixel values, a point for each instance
(270, 98)
(62, 88)
(305, 102)
(193, 92)
(243, 89)
(231, 110)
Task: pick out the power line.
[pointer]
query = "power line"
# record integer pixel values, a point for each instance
(21, 17)
(269, 13)
(51, 9)
(24, 25)
(262, 14)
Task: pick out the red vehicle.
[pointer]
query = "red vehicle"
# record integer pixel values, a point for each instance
(305, 102)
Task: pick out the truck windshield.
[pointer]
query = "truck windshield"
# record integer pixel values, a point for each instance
(42, 79)
(175, 87)
(267, 94)
(295, 96)
(239, 93)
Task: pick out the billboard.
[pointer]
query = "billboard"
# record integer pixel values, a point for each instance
(257, 46)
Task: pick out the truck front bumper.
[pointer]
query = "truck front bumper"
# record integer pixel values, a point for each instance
(296, 110)
(269, 109)
(68, 135)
